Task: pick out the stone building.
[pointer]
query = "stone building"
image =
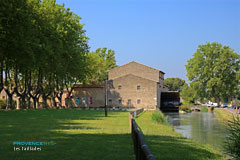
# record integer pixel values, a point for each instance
(132, 85)
(88, 96)
(135, 85)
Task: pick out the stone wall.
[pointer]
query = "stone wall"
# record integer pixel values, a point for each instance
(126, 88)
(138, 70)
(93, 97)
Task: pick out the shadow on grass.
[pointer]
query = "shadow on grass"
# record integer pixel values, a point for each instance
(79, 146)
(48, 125)
(174, 148)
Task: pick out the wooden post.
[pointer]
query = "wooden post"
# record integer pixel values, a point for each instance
(130, 121)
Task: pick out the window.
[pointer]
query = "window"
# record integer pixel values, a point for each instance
(119, 87)
(129, 101)
(77, 100)
(138, 87)
(89, 100)
(120, 101)
(138, 101)
(84, 100)
(109, 101)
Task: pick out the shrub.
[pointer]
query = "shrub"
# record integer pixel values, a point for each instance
(159, 117)
(185, 108)
(3, 104)
(204, 109)
(232, 144)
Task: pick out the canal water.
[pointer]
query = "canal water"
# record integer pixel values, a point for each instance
(200, 126)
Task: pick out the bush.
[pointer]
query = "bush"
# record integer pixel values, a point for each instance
(159, 117)
(185, 108)
(204, 109)
(232, 144)
(3, 104)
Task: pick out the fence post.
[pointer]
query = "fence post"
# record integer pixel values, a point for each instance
(141, 150)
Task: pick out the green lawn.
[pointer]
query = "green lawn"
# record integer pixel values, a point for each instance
(78, 134)
(166, 144)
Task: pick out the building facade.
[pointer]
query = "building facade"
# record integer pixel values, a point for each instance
(88, 96)
(132, 85)
(135, 85)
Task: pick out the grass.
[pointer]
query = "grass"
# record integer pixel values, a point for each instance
(223, 115)
(78, 134)
(159, 117)
(165, 143)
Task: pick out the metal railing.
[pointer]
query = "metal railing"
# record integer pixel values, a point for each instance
(141, 149)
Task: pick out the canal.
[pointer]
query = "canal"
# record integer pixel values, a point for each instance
(199, 126)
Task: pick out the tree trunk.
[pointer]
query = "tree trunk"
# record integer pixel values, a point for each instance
(44, 102)
(28, 102)
(34, 103)
(60, 100)
(10, 102)
(23, 102)
(1, 77)
(54, 102)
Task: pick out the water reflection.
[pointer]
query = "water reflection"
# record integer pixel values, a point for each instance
(200, 126)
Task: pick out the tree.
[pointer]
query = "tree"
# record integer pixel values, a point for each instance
(212, 71)
(99, 63)
(42, 48)
(174, 84)
(188, 93)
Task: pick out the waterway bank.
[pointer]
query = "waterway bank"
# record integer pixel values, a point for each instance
(203, 127)
(224, 115)
(166, 143)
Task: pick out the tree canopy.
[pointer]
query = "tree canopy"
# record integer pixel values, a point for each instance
(213, 71)
(99, 63)
(174, 84)
(188, 94)
(44, 49)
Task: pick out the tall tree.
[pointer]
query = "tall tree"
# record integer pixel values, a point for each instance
(174, 84)
(99, 63)
(212, 71)
(188, 93)
(42, 47)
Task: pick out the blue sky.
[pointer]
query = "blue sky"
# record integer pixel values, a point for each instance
(163, 34)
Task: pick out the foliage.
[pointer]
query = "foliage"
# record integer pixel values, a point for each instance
(232, 146)
(3, 103)
(174, 84)
(44, 49)
(212, 71)
(159, 117)
(188, 94)
(185, 108)
(204, 109)
(99, 63)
